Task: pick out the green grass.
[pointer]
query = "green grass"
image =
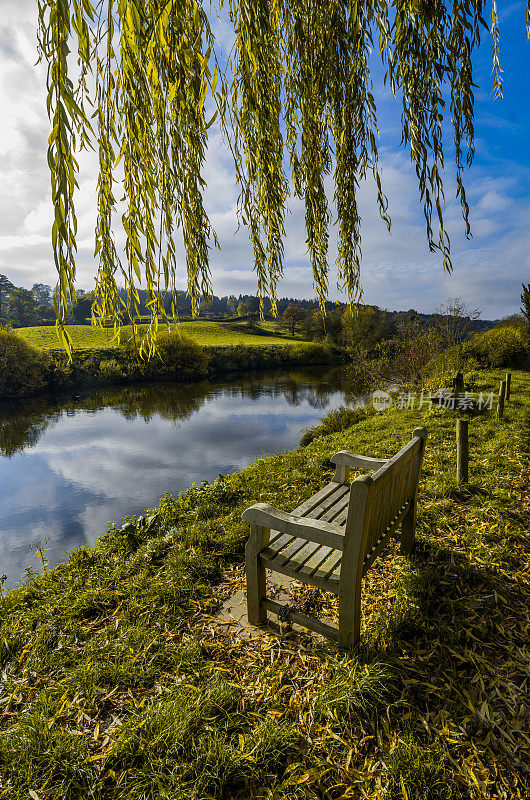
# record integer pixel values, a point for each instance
(203, 332)
(117, 683)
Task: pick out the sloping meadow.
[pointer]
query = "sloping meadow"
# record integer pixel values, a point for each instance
(118, 682)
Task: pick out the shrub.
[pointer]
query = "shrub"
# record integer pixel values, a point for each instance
(314, 354)
(414, 348)
(337, 420)
(24, 369)
(242, 358)
(110, 371)
(177, 357)
(440, 369)
(499, 347)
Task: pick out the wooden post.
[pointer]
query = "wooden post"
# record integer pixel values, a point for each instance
(458, 387)
(508, 385)
(462, 451)
(502, 394)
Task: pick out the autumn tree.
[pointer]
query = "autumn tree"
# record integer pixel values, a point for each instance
(364, 326)
(42, 294)
(455, 320)
(232, 305)
(415, 346)
(83, 307)
(292, 315)
(143, 81)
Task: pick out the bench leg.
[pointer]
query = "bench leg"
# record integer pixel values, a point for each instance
(350, 614)
(256, 581)
(408, 529)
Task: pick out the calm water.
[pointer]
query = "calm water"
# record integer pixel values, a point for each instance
(69, 466)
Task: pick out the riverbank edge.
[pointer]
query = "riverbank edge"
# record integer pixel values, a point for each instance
(95, 368)
(111, 634)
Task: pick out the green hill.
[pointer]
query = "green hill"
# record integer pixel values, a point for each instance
(203, 332)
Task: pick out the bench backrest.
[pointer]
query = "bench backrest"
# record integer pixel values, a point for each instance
(379, 502)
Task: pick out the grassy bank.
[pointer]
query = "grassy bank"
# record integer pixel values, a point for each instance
(27, 369)
(117, 683)
(203, 332)
(99, 367)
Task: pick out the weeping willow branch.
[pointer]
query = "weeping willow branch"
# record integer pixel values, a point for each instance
(296, 105)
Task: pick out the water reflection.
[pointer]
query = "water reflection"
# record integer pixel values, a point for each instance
(71, 464)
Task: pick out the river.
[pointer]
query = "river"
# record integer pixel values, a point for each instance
(69, 465)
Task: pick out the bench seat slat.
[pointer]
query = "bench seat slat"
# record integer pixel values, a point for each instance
(329, 504)
(297, 554)
(342, 518)
(284, 545)
(335, 492)
(313, 563)
(331, 568)
(305, 508)
(291, 551)
(289, 569)
(338, 507)
(307, 553)
(308, 560)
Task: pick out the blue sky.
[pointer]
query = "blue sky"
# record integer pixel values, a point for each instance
(398, 272)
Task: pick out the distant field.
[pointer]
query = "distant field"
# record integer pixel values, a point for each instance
(203, 332)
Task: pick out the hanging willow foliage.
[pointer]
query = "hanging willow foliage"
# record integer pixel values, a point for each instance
(134, 78)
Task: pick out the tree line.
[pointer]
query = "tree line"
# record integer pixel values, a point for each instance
(404, 342)
(367, 325)
(24, 308)
(361, 326)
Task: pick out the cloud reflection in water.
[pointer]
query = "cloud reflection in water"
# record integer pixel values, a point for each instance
(69, 467)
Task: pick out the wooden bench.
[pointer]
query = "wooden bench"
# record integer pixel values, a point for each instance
(331, 540)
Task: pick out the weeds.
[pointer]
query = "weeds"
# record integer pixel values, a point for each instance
(418, 771)
(337, 420)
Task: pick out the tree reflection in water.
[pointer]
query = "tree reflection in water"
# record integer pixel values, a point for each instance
(22, 423)
(68, 464)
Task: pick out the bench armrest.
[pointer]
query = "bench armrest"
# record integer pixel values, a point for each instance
(343, 460)
(313, 530)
